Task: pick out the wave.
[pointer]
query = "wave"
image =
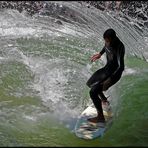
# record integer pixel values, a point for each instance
(45, 65)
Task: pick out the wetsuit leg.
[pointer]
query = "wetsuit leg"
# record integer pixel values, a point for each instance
(95, 90)
(100, 87)
(105, 85)
(102, 96)
(98, 76)
(110, 82)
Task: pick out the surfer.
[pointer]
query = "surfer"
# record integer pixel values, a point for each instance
(107, 76)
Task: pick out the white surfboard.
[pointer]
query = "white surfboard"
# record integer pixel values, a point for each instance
(88, 130)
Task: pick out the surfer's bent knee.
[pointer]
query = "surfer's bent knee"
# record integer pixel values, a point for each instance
(89, 84)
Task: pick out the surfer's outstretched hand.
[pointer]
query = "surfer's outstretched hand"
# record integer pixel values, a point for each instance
(95, 57)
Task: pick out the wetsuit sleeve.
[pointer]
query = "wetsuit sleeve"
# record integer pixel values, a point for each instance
(102, 51)
(120, 59)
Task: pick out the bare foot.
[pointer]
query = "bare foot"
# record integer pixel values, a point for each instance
(105, 102)
(96, 120)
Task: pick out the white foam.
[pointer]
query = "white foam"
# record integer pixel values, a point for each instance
(70, 31)
(30, 117)
(129, 71)
(49, 81)
(28, 31)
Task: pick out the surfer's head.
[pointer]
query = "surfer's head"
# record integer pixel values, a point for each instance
(109, 37)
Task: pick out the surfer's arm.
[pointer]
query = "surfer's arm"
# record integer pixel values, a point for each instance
(120, 58)
(97, 55)
(102, 51)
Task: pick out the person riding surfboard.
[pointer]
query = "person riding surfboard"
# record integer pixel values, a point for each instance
(107, 76)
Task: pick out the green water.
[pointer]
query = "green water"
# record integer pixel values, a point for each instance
(130, 118)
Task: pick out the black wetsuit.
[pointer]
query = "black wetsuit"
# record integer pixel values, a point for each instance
(107, 76)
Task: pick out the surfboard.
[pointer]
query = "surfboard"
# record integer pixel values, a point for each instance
(88, 130)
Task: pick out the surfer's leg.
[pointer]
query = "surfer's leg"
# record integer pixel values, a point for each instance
(105, 85)
(104, 99)
(102, 96)
(98, 76)
(97, 103)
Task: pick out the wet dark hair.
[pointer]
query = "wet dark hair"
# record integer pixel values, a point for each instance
(110, 34)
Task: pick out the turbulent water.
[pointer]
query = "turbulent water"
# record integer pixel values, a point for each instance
(44, 66)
